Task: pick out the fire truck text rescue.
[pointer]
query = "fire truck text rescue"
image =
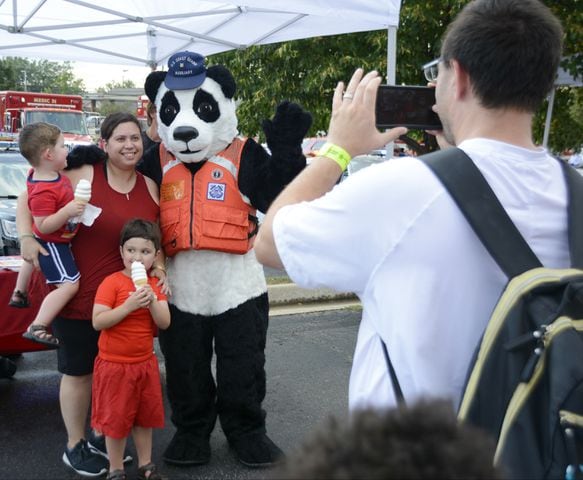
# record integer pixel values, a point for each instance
(21, 108)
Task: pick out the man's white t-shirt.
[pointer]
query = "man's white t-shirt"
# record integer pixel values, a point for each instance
(392, 234)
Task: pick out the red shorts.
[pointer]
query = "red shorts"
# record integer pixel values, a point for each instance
(126, 395)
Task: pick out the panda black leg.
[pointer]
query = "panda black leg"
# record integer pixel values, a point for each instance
(187, 349)
(240, 337)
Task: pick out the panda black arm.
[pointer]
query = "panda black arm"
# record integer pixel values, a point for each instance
(149, 165)
(84, 155)
(263, 176)
(261, 179)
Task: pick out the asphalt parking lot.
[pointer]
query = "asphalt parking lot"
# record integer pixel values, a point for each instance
(308, 365)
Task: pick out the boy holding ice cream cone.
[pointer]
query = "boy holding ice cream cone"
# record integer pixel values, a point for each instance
(127, 393)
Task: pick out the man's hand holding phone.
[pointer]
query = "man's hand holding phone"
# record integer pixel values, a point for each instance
(352, 124)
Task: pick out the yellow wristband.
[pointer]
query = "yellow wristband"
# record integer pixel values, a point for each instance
(336, 153)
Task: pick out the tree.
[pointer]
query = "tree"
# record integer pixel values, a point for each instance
(306, 71)
(116, 85)
(107, 107)
(18, 73)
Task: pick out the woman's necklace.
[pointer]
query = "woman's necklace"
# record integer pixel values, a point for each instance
(117, 187)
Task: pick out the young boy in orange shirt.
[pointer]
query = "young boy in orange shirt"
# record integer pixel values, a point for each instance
(127, 392)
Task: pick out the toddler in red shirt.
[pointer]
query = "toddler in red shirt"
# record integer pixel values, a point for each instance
(127, 392)
(53, 205)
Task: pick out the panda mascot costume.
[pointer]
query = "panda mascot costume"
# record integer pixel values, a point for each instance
(212, 182)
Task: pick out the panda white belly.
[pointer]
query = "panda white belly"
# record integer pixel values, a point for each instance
(206, 282)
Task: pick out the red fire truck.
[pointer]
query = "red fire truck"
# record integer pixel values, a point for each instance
(21, 108)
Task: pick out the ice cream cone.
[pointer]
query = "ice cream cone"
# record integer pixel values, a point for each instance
(83, 192)
(139, 275)
(140, 282)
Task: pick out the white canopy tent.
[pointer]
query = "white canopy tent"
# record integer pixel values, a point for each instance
(147, 32)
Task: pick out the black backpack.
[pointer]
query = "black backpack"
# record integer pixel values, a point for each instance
(525, 384)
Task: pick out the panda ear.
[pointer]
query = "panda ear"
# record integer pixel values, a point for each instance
(224, 78)
(153, 82)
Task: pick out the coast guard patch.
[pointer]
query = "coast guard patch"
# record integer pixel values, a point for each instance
(216, 191)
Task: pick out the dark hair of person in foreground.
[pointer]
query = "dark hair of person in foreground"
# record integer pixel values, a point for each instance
(422, 441)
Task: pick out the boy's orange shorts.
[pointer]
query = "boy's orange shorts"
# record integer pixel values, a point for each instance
(126, 395)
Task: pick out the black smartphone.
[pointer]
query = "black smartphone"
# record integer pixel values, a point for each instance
(406, 106)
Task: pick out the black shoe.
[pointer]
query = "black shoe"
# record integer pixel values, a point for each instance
(186, 449)
(84, 461)
(256, 450)
(97, 445)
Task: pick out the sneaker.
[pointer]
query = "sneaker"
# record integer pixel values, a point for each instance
(97, 445)
(84, 461)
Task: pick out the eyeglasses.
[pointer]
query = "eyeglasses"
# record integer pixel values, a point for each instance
(430, 70)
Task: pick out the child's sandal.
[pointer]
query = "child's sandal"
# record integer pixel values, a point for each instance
(19, 299)
(149, 472)
(117, 475)
(40, 334)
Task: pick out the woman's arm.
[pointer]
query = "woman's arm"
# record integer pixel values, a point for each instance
(160, 313)
(158, 270)
(153, 189)
(76, 174)
(29, 247)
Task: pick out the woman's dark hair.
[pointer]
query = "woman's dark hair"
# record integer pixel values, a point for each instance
(113, 120)
(139, 228)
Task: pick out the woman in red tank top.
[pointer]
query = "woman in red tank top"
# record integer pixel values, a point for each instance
(122, 193)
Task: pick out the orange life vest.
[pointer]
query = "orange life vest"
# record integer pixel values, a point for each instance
(205, 210)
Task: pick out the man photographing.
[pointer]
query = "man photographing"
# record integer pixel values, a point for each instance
(392, 233)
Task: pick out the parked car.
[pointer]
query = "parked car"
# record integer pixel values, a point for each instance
(93, 123)
(13, 171)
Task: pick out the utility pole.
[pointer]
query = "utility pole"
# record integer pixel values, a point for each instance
(25, 80)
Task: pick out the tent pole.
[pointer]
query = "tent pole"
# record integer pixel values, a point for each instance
(391, 55)
(391, 71)
(548, 118)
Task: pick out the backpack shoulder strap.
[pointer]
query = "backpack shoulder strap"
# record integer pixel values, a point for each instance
(575, 212)
(484, 212)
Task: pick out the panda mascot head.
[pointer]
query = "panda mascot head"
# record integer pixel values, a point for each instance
(195, 107)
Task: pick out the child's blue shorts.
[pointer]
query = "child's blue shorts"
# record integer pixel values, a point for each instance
(59, 266)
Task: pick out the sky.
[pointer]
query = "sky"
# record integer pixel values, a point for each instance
(97, 75)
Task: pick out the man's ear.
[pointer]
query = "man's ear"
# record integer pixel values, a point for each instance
(461, 78)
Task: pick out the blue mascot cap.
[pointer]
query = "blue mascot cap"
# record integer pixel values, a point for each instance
(186, 70)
